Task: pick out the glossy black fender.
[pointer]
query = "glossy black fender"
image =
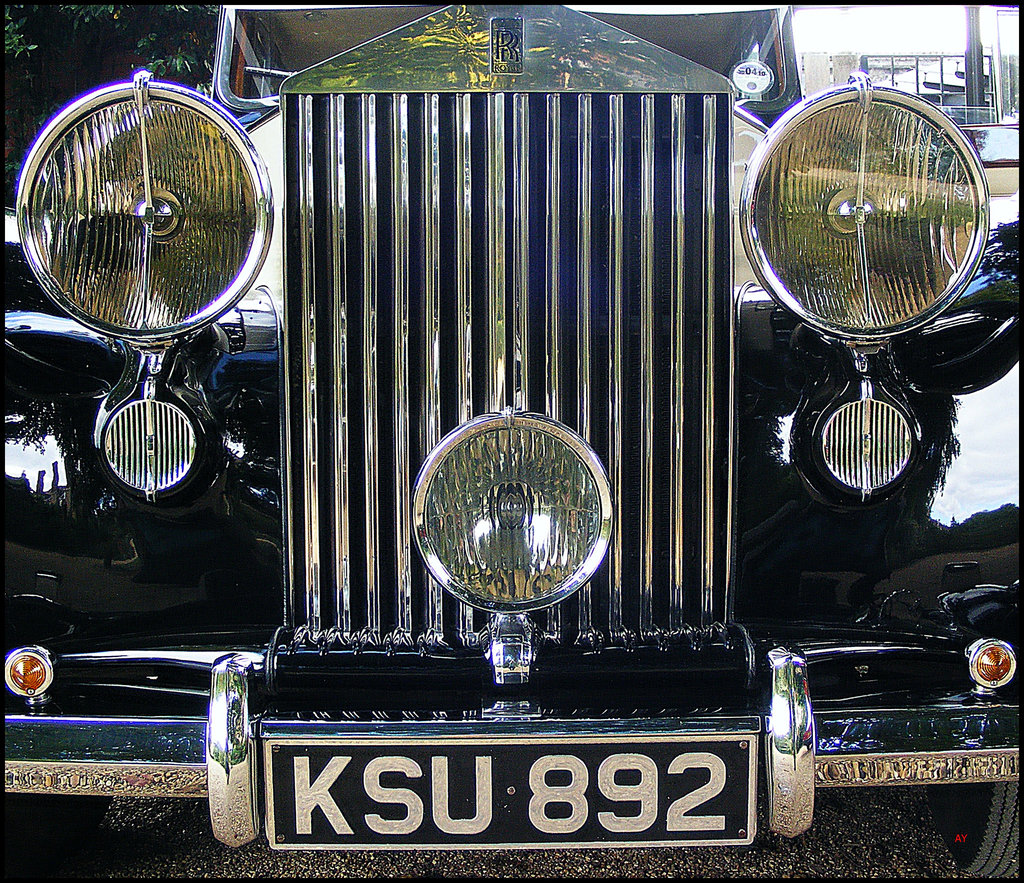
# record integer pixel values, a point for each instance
(940, 553)
(87, 562)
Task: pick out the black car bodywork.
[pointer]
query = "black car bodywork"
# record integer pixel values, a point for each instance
(136, 600)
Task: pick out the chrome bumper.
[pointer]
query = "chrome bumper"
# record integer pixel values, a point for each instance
(216, 757)
(231, 765)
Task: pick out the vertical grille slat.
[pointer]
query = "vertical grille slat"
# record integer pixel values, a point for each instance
(617, 380)
(552, 280)
(584, 258)
(431, 421)
(368, 122)
(454, 253)
(521, 252)
(311, 481)
(464, 252)
(343, 588)
(496, 328)
(678, 423)
(464, 301)
(400, 238)
(647, 307)
(707, 388)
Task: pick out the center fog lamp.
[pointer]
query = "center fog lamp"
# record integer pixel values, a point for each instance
(512, 512)
(864, 211)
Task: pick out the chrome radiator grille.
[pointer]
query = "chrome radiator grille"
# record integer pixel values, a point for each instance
(454, 254)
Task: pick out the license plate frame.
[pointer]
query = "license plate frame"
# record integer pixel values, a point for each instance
(305, 792)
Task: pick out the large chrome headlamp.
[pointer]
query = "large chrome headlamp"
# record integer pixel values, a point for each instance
(864, 211)
(144, 210)
(512, 512)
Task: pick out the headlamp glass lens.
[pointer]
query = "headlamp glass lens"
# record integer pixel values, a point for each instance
(867, 220)
(82, 205)
(510, 516)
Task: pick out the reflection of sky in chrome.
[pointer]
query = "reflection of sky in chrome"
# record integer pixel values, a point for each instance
(30, 461)
(986, 475)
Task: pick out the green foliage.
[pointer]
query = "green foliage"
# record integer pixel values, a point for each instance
(985, 530)
(53, 54)
(14, 37)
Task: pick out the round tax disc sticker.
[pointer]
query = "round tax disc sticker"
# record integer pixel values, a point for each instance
(752, 77)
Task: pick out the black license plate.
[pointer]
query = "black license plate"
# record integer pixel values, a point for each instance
(499, 791)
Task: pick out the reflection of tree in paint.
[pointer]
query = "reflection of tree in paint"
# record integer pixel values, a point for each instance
(1002, 254)
(802, 558)
(63, 518)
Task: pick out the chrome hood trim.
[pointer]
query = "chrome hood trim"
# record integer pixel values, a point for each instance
(562, 51)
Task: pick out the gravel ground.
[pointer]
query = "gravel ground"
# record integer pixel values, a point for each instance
(882, 832)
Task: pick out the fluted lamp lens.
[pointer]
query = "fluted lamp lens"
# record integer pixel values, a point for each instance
(867, 445)
(865, 221)
(512, 513)
(994, 664)
(28, 673)
(144, 224)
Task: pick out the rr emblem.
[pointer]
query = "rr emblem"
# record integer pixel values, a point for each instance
(506, 45)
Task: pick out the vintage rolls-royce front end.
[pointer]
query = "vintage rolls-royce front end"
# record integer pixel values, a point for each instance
(479, 429)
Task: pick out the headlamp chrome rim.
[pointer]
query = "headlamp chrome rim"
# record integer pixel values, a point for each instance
(765, 150)
(487, 423)
(256, 170)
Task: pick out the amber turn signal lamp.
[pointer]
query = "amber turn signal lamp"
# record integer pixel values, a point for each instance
(28, 671)
(992, 663)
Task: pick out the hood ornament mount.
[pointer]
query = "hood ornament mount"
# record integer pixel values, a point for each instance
(511, 648)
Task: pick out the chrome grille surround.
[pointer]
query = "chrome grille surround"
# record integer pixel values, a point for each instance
(459, 242)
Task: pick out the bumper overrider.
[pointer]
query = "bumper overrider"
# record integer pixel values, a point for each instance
(227, 757)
